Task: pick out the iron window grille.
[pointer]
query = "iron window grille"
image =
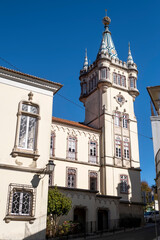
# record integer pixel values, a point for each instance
(123, 184)
(21, 201)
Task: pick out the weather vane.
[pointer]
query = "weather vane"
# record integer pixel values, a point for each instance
(106, 11)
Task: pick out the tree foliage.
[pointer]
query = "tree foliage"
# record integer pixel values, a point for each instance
(58, 205)
(145, 187)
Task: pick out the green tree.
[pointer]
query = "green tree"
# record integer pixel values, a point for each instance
(58, 205)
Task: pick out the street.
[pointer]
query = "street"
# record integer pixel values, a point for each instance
(145, 233)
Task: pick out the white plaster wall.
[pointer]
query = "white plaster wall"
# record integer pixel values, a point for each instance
(82, 164)
(10, 96)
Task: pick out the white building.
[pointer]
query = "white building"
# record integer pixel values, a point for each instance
(25, 126)
(154, 93)
(97, 162)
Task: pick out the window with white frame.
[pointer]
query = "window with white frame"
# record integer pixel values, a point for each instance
(72, 142)
(52, 145)
(92, 152)
(117, 118)
(123, 81)
(119, 79)
(71, 177)
(93, 180)
(126, 148)
(123, 184)
(115, 78)
(125, 121)
(132, 82)
(21, 200)
(28, 126)
(108, 73)
(103, 73)
(118, 146)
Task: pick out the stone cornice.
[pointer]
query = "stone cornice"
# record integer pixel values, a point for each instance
(29, 80)
(75, 161)
(20, 168)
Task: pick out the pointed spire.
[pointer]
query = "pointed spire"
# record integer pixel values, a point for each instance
(130, 59)
(85, 65)
(107, 39)
(103, 48)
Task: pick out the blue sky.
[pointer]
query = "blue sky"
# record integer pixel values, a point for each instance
(47, 38)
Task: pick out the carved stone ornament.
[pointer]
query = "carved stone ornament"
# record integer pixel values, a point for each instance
(30, 96)
(120, 99)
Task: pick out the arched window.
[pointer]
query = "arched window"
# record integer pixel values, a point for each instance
(27, 130)
(117, 118)
(125, 120)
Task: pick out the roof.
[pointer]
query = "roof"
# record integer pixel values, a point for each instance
(28, 75)
(154, 93)
(75, 124)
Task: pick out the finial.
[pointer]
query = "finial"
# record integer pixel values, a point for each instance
(103, 48)
(106, 20)
(129, 46)
(85, 65)
(130, 59)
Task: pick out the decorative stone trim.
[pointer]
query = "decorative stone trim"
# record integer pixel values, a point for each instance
(13, 187)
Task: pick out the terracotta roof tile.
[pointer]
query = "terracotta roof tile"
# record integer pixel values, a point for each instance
(72, 123)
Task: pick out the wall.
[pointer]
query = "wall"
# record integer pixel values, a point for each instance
(22, 170)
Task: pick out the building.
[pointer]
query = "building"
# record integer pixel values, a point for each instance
(154, 93)
(25, 148)
(97, 162)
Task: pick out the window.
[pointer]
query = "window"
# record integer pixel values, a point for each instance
(90, 85)
(108, 73)
(103, 73)
(52, 145)
(132, 82)
(117, 119)
(119, 79)
(126, 148)
(115, 78)
(125, 121)
(71, 177)
(28, 126)
(93, 181)
(27, 130)
(72, 147)
(92, 152)
(123, 81)
(123, 183)
(118, 146)
(21, 201)
(84, 88)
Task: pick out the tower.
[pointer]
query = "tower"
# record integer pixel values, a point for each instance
(108, 92)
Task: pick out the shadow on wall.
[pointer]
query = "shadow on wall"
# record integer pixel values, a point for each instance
(123, 190)
(37, 236)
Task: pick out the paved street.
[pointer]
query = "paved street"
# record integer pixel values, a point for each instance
(146, 233)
